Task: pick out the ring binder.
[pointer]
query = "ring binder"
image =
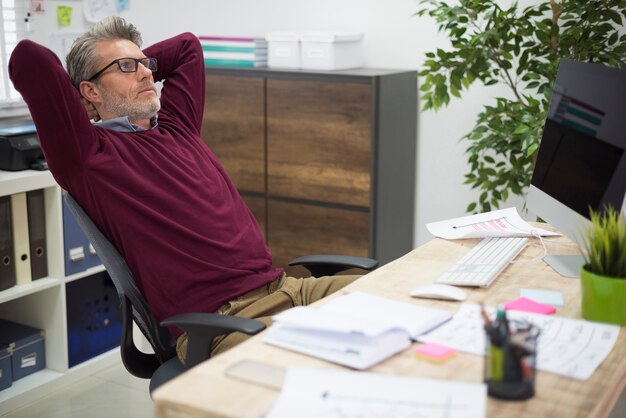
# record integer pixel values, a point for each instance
(7, 265)
(21, 244)
(78, 254)
(37, 233)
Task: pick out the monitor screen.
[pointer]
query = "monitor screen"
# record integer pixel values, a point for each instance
(581, 162)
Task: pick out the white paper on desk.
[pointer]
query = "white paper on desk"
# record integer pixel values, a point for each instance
(497, 223)
(568, 347)
(357, 330)
(341, 394)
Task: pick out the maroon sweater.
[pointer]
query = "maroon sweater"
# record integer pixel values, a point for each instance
(160, 195)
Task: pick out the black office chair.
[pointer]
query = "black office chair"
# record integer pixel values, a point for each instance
(164, 365)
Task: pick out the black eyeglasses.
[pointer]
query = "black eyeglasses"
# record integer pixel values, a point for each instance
(128, 65)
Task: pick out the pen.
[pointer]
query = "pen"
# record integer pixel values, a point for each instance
(488, 325)
(483, 313)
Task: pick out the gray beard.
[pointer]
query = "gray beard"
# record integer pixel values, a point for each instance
(112, 103)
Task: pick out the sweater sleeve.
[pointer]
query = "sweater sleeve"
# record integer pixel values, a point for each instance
(67, 136)
(181, 66)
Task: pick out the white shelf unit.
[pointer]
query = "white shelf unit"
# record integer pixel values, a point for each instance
(42, 303)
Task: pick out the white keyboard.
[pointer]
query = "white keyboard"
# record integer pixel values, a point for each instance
(483, 263)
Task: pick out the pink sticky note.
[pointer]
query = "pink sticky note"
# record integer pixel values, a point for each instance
(529, 305)
(432, 351)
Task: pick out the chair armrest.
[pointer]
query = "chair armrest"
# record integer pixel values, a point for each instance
(202, 328)
(329, 265)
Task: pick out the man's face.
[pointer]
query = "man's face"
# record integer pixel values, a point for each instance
(125, 94)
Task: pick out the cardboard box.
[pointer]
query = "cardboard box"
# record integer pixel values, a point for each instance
(27, 345)
(283, 50)
(6, 378)
(331, 51)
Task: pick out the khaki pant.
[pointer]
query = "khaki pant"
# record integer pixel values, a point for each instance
(268, 300)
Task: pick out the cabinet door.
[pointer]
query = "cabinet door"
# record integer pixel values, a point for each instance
(296, 229)
(234, 128)
(319, 140)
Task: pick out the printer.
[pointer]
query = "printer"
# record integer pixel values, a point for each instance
(19, 146)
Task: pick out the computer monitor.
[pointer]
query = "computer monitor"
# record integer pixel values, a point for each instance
(581, 162)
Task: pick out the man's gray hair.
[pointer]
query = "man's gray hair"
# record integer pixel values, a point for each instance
(82, 59)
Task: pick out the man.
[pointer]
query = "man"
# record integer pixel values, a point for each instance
(145, 177)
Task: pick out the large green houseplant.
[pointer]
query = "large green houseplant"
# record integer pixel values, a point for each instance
(603, 276)
(519, 48)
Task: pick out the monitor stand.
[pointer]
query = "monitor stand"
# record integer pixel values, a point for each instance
(566, 265)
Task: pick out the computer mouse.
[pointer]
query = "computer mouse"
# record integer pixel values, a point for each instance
(439, 291)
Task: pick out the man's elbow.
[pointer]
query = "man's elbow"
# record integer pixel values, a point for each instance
(32, 66)
(192, 40)
(28, 56)
(20, 53)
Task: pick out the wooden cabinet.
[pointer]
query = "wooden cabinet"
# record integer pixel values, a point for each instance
(325, 160)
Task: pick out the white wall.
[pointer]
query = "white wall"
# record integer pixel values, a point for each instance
(394, 38)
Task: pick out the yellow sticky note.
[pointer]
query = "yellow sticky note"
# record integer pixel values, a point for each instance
(64, 15)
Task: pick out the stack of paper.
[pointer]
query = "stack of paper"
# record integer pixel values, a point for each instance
(357, 330)
(331, 393)
(234, 52)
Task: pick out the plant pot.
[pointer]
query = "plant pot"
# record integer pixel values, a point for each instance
(603, 298)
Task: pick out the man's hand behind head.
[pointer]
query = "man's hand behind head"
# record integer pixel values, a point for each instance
(91, 110)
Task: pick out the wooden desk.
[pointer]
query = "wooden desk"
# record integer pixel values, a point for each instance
(206, 392)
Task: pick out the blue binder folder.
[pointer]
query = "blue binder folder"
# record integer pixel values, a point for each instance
(79, 254)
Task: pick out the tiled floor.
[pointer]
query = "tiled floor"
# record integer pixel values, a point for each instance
(110, 393)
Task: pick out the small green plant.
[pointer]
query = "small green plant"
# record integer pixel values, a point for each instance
(606, 244)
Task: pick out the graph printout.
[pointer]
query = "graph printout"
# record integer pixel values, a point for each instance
(325, 393)
(497, 223)
(568, 347)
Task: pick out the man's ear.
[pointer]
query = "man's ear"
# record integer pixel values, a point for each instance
(91, 92)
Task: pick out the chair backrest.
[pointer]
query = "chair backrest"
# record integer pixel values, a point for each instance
(134, 306)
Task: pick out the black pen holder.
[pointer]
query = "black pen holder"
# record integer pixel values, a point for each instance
(510, 361)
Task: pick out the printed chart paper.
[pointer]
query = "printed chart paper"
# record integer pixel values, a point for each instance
(497, 223)
(309, 393)
(568, 347)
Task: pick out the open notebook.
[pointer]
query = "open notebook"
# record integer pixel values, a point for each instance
(357, 330)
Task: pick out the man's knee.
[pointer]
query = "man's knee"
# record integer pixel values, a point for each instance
(314, 289)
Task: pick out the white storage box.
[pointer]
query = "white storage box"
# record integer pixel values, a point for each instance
(331, 51)
(283, 50)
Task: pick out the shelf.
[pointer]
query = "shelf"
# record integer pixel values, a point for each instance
(12, 182)
(45, 382)
(21, 290)
(42, 303)
(88, 272)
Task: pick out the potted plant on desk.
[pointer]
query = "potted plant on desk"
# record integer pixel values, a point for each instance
(603, 276)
